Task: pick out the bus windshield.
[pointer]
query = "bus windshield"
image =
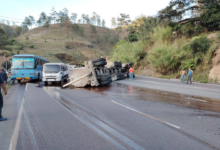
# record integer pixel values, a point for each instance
(51, 68)
(23, 63)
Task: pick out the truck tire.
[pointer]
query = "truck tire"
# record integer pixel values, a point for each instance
(98, 60)
(105, 82)
(100, 63)
(45, 83)
(104, 79)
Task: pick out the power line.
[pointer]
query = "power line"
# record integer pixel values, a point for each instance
(11, 18)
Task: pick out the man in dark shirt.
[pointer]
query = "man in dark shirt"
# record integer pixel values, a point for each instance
(1, 98)
(3, 75)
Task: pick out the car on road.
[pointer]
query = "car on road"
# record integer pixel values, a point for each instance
(55, 72)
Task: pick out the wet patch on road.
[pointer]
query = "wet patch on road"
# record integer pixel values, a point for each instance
(195, 102)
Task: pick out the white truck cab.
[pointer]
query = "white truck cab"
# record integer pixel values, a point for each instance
(55, 72)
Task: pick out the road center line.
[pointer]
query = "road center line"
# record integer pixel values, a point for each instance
(14, 139)
(199, 100)
(177, 127)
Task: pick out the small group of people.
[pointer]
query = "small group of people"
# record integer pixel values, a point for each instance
(189, 74)
(3, 81)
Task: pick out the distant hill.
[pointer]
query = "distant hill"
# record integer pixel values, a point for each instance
(69, 44)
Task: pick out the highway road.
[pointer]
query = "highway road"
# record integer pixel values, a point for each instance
(144, 113)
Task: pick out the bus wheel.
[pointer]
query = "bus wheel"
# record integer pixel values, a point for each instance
(19, 81)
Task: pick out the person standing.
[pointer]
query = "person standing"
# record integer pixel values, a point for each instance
(131, 73)
(182, 74)
(4, 76)
(2, 85)
(190, 74)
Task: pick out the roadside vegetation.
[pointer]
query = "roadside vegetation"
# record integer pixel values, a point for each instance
(165, 44)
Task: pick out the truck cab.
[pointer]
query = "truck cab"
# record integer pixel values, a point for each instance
(55, 72)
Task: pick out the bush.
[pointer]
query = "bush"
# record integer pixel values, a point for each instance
(200, 44)
(128, 52)
(77, 29)
(32, 46)
(18, 47)
(166, 58)
(162, 34)
(8, 48)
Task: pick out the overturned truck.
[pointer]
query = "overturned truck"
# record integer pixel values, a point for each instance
(93, 74)
(118, 71)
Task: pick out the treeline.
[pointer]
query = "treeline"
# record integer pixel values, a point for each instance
(173, 39)
(62, 16)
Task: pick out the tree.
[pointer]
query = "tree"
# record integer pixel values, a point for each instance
(24, 28)
(42, 19)
(62, 17)
(123, 20)
(32, 20)
(73, 17)
(94, 18)
(142, 27)
(79, 21)
(53, 15)
(98, 21)
(204, 13)
(103, 23)
(113, 21)
(48, 21)
(92, 28)
(27, 22)
(83, 18)
(87, 19)
(3, 38)
(18, 31)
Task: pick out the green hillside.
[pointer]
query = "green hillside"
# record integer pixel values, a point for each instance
(72, 44)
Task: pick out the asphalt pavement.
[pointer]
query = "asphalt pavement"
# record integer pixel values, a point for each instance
(144, 113)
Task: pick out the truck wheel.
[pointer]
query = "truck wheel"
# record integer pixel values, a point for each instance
(101, 63)
(105, 82)
(46, 83)
(105, 79)
(98, 60)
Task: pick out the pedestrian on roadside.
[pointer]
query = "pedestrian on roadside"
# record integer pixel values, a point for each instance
(131, 73)
(190, 75)
(3, 75)
(2, 85)
(182, 74)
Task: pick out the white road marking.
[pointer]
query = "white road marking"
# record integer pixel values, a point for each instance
(177, 85)
(194, 99)
(177, 127)
(14, 139)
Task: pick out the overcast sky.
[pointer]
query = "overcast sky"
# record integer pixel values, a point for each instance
(18, 9)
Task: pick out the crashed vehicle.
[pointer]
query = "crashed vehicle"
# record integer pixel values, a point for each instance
(118, 71)
(93, 74)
